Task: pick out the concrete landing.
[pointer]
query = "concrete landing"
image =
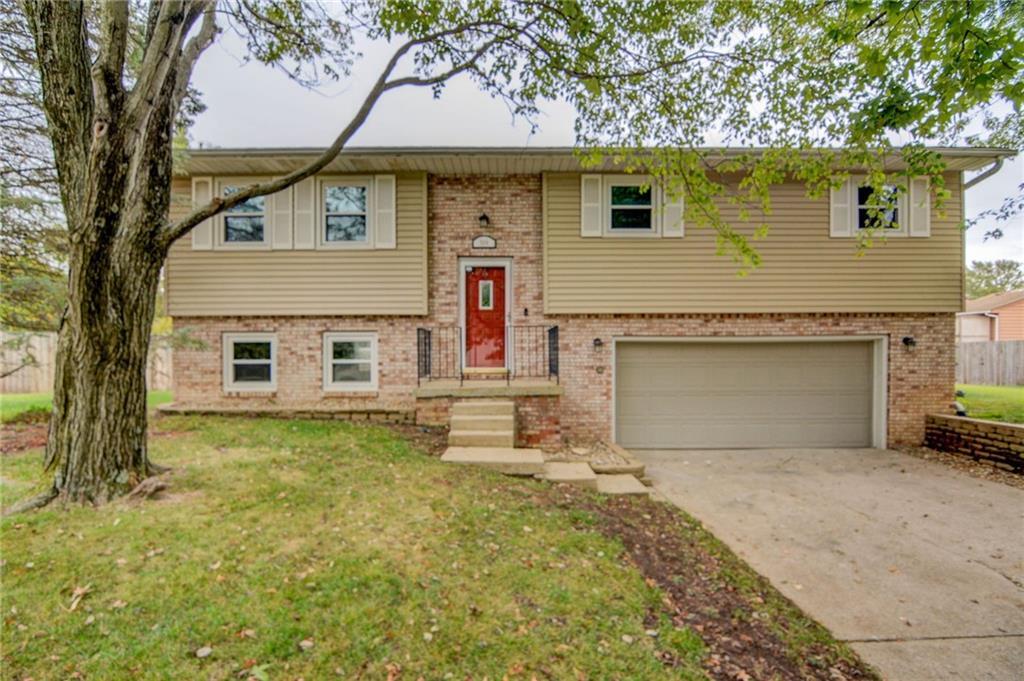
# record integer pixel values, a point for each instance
(571, 473)
(502, 459)
(621, 484)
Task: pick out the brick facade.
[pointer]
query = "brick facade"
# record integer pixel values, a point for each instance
(920, 379)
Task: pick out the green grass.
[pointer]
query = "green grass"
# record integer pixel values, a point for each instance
(995, 402)
(276, 532)
(20, 406)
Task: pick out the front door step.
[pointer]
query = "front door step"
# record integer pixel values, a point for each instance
(482, 438)
(498, 422)
(505, 460)
(483, 408)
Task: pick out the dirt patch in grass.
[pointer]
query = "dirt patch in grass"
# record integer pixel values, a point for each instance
(17, 437)
(965, 464)
(431, 439)
(750, 630)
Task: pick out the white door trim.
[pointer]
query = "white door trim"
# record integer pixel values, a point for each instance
(880, 369)
(465, 263)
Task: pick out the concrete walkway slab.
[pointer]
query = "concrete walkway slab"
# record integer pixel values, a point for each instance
(621, 484)
(502, 459)
(572, 473)
(919, 566)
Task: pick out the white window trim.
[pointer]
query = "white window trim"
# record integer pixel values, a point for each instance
(480, 294)
(334, 336)
(902, 212)
(321, 211)
(220, 236)
(607, 182)
(228, 344)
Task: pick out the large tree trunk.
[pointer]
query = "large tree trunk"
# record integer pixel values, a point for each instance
(97, 439)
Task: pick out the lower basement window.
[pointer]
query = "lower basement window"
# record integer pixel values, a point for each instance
(350, 361)
(250, 362)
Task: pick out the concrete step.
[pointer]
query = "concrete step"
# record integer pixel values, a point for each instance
(481, 438)
(620, 484)
(502, 459)
(483, 422)
(483, 408)
(573, 473)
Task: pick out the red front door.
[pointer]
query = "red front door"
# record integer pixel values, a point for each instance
(485, 317)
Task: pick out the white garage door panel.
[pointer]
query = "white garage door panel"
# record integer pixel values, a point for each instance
(737, 395)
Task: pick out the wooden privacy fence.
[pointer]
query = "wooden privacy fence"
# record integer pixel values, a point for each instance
(38, 378)
(991, 363)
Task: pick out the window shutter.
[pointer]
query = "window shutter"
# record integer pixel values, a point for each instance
(920, 207)
(281, 223)
(591, 208)
(304, 196)
(672, 211)
(384, 211)
(202, 234)
(842, 210)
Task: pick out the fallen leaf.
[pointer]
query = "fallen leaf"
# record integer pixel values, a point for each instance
(205, 651)
(306, 643)
(78, 594)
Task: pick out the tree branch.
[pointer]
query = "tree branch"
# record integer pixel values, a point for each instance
(107, 72)
(175, 231)
(163, 53)
(193, 49)
(62, 56)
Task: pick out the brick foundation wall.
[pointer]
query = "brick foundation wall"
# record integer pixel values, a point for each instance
(920, 379)
(1001, 444)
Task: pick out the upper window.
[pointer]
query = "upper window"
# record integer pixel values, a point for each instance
(350, 361)
(244, 223)
(249, 362)
(346, 209)
(630, 206)
(880, 210)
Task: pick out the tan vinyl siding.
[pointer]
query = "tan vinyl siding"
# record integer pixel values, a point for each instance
(1011, 321)
(311, 282)
(803, 269)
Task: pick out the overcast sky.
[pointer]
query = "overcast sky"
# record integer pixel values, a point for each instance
(250, 105)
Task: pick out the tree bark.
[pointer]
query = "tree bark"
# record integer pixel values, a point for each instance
(97, 438)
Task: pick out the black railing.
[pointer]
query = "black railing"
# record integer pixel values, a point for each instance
(438, 353)
(553, 353)
(530, 351)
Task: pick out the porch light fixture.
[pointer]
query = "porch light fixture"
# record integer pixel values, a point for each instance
(485, 221)
(598, 343)
(909, 342)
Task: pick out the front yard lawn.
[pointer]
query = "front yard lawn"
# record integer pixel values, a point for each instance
(313, 549)
(995, 402)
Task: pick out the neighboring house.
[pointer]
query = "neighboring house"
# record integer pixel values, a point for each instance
(995, 317)
(402, 279)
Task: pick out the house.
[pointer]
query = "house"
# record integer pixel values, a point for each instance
(400, 281)
(995, 317)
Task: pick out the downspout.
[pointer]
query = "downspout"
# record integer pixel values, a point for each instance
(996, 318)
(964, 186)
(978, 179)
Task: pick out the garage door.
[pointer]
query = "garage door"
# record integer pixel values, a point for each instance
(740, 395)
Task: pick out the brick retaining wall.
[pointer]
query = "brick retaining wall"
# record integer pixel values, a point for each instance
(1001, 444)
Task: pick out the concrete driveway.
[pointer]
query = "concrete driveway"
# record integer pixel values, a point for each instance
(919, 567)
